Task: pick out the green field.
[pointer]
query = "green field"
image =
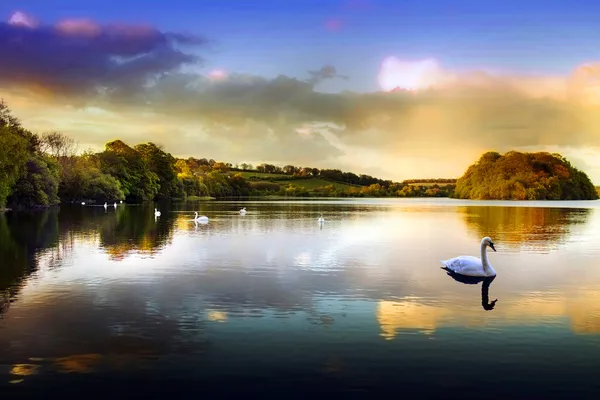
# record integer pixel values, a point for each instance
(248, 174)
(284, 180)
(312, 183)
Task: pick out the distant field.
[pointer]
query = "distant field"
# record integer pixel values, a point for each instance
(430, 184)
(284, 180)
(314, 183)
(248, 174)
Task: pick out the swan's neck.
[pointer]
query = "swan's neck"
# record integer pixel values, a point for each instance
(484, 258)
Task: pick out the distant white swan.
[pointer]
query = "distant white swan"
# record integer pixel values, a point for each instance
(473, 266)
(321, 219)
(156, 213)
(105, 205)
(243, 210)
(121, 201)
(115, 205)
(202, 218)
(83, 203)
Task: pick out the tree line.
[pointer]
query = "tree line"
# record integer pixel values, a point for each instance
(46, 169)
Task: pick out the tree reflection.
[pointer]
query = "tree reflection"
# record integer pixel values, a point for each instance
(540, 228)
(28, 239)
(134, 229)
(22, 236)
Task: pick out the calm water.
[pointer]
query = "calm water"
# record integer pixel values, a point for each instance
(94, 299)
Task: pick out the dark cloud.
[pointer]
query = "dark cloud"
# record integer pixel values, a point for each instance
(79, 56)
(325, 72)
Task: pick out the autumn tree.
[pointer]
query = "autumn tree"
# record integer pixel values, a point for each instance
(524, 176)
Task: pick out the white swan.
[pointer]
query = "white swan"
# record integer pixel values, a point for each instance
(243, 210)
(202, 218)
(321, 219)
(473, 266)
(156, 213)
(83, 203)
(105, 205)
(115, 205)
(121, 201)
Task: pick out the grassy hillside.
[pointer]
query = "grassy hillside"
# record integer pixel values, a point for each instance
(285, 180)
(249, 174)
(312, 183)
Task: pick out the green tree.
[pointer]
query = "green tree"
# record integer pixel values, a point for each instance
(129, 168)
(524, 176)
(38, 185)
(163, 165)
(17, 146)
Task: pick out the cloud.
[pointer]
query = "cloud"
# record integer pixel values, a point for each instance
(78, 57)
(333, 24)
(134, 73)
(472, 109)
(325, 72)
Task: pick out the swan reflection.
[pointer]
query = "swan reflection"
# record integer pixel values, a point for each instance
(473, 280)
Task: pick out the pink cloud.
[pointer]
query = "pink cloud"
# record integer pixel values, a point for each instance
(19, 18)
(333, 24)
(78, 27)
(217, 74)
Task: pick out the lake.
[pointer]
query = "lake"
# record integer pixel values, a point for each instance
(99, 301)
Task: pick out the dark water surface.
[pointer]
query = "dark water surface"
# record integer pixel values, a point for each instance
(102, 302)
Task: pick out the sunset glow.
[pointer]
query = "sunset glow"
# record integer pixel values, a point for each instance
(408, 75)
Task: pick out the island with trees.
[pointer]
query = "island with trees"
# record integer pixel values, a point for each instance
(524, 176)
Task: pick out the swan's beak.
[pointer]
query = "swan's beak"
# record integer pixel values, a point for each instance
(492, 246)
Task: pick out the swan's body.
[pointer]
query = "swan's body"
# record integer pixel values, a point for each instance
(156, 213)
(83, 203)
(243, 211)
(202, 218)
(115, 205)
(105, 205)
(473, 266)
(321, 219)
(121, 201)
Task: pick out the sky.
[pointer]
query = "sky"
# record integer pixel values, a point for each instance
(395, 89)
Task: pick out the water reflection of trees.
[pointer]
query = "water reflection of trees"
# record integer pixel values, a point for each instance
(22, 236)
(29, 239)
(538, 227)
(134, 229)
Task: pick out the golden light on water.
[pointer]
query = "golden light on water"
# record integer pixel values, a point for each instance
(216, 316)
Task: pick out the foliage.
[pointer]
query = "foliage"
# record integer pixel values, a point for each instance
(524, 176)
(38, 185)
(13, 157)
(163, 165)
(130, 168)
(18, 157)
(82, 179)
